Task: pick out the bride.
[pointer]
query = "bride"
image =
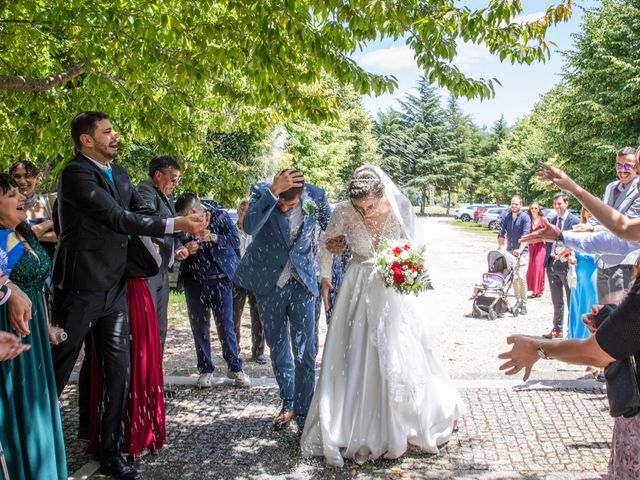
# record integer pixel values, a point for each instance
(381, 387)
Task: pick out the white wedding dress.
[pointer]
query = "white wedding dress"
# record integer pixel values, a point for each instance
(380, 387)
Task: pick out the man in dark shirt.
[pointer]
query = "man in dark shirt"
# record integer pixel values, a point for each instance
(207, 287)
(515, 224)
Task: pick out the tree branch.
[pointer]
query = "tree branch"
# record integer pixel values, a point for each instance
(18, 83)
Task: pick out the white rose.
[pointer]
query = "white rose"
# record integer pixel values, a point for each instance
(404, 255)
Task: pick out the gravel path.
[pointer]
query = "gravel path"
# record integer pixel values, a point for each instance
(456, 259)
(554, 427)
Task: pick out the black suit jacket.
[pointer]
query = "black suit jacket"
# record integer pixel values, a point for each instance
(568, 224)
(163, 207)
(95, 218)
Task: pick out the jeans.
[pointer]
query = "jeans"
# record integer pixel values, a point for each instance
(203, 297)
(288, 317)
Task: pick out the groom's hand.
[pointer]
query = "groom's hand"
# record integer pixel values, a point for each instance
(286, 180)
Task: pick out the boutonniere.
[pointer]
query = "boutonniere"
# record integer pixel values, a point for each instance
(309, 207)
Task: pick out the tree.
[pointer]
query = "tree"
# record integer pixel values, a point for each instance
(595, 110)
(329, 151)
(171, 71)
(458, 151)
(488, 172)
(413, 148)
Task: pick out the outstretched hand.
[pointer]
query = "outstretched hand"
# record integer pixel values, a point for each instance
(556, 177)
(548, 233)
(10, 346)
(523, 354)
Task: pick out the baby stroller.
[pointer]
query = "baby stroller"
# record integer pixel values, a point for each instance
(490, 297)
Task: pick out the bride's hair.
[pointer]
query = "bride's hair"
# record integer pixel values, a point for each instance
(365, 182)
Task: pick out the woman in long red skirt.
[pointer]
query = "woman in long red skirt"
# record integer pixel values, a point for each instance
(535, 271)
(144, 421)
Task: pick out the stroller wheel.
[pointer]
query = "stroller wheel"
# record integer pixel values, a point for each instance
(492, 314)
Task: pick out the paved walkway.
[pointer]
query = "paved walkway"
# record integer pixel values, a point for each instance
(555, 427)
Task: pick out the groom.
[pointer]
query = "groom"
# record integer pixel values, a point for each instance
(279, 268)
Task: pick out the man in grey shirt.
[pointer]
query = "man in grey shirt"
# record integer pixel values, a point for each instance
(614, 269)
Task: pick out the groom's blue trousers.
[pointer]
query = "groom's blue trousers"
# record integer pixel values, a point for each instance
(288, 318)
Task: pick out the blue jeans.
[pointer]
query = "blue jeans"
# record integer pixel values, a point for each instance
(204, 296)
(288, 319)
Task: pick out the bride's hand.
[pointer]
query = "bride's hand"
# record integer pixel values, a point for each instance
(336, 245)
(325, 285)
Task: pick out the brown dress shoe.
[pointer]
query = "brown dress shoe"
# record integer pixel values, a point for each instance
(553, 334)
(283, 419)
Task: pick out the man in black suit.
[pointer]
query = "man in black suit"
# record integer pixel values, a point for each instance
(96, 201)
(164, 176)
(557, 269)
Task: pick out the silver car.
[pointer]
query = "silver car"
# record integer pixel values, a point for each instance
(491, 218)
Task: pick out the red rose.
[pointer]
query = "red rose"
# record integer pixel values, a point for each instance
(397, 251)
(406, 247)
(398, 278)
(422, 266)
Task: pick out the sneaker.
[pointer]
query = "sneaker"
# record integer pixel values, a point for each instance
(523, 309)
(205, 380)
(240, 379)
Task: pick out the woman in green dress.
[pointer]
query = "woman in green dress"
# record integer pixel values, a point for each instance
(30, 425)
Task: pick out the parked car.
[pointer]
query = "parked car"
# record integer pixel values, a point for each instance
(482, 209)
(491, 218)
(459, 208)
(466, 213)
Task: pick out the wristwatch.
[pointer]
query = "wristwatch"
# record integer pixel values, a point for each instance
(542, 354)
(560, 239)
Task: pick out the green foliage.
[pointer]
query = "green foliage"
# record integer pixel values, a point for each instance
(168, 72)
(595, 111)
(423, 145)
(329, 151)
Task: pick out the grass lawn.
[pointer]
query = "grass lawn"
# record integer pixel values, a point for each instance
(473, 228)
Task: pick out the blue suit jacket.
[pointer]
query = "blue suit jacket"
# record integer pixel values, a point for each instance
(222, 252)
(567, 225)
(270, 248)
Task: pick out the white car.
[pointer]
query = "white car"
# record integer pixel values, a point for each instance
(465, 213)
(491, 217)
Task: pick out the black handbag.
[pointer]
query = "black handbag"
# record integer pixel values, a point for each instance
(143, 260)
(622, 387)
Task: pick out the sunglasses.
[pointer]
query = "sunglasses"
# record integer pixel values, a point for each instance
(625, 166)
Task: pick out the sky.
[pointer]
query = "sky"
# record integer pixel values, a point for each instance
(522, 85)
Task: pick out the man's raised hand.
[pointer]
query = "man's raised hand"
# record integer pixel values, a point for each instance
(286, 180)
(548, 233)
(556, 177)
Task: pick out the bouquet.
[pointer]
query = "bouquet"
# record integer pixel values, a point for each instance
(402, 268)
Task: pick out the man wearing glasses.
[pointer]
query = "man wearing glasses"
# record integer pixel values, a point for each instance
(164, 176)
(614, 271)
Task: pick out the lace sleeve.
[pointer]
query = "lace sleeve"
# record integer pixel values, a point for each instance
(337, 226)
